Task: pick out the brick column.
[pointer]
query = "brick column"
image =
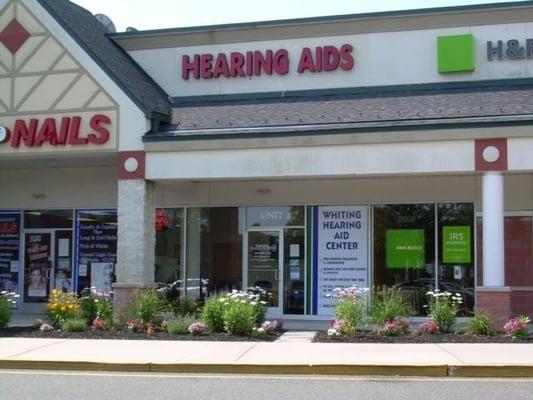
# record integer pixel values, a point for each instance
(136, 233)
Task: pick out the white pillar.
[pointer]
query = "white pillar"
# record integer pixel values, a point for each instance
(493, 230)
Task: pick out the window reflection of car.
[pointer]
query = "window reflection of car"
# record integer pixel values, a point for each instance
(418, 288)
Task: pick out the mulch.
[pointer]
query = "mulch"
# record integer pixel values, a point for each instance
(124, 334)
(372, 337)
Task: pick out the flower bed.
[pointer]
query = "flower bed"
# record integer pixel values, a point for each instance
(387, 313)
(231, 316)
(125, 334)
(375, 337)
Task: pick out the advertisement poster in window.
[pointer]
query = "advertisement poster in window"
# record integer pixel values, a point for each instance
(404, 248)
(456, 245)
(96, 235)
(9, 251)
(341, 252)
(37, 266)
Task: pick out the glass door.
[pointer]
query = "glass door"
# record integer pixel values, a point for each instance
(62, 271)
(264, 265)
(38, 264)
(293, 271)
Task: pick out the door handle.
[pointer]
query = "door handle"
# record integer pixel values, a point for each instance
(276, 275)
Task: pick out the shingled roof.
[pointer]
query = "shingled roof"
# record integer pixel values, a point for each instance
(129, 76)
(442, 107)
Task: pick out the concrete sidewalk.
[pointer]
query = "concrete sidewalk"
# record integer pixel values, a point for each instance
(490, 360)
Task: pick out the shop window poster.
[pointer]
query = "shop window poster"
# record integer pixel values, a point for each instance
(404, 248)
(456, 245)
(9, 250)
(37, 266)
(96, 236)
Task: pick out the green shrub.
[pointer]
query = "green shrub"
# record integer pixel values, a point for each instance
(214, 314)
(77, 324)
(239, 318)
(180, 326)
(104, 309)
(259, 313)
(479, 324)
(7, 300)
(352, 313)
(185, 306)
(88, 305)
(443, 309)
(389, 304)
(147, 306)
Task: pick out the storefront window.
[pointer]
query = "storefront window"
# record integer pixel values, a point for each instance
(169, 228)
(45, 219)
(96, 234)
(404, 250)
(214, 251)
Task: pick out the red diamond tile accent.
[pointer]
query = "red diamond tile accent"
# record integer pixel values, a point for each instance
(13, 36)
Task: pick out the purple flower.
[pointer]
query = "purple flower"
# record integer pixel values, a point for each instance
(197, 328)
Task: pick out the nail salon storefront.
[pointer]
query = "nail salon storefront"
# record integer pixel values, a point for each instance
(301, 156)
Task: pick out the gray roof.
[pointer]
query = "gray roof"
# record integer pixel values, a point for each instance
(91, 35)
(443, 106)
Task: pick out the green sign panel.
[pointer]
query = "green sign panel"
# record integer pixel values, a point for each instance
(456, 245)
(404, 248)
(455, 53)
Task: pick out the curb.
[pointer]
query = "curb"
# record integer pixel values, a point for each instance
(491, 371)
(74, 366)
(302, 369)
(473, 371)
(267, 369)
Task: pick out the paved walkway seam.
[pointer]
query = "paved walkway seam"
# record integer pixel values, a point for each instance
(247, 350)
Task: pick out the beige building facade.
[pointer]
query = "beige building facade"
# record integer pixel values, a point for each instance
(287, 156)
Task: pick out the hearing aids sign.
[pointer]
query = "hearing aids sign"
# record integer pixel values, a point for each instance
(267, 62)
(69, 132)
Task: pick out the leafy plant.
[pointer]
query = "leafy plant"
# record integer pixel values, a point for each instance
(214, 313)
(88, 308)
(134, 325)
(76, 324)
(180, 326)
(62, 306)
(7, 300)
(517, 327)
(100, 325)
(443, 308)
(479, 324)
(239, 318)
(429, 327)
(351, 309)
(394, 328)
(185, 306)
(389, 304)
(148, 305)
(104, 310)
